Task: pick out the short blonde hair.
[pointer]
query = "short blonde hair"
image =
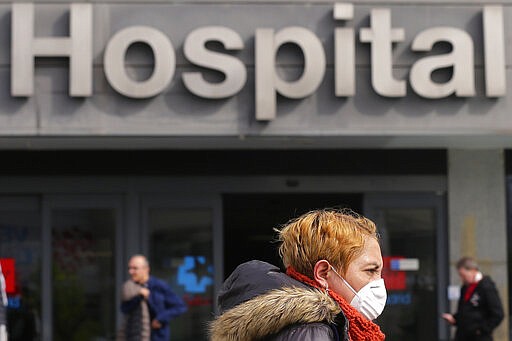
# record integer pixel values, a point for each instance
(337, 236)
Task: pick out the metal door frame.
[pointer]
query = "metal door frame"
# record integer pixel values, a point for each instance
(72, 201)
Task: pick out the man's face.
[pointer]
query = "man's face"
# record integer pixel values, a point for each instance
(467, 276)
(138, 270)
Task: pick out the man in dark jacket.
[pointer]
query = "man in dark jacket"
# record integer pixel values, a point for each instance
(479, 310)
(148, 304)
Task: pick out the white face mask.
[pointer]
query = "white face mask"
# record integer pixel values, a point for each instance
(370, 300)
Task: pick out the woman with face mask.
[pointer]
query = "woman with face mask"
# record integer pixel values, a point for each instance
(332, 288)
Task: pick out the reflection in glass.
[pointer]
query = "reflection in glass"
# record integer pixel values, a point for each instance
(411, 309)
(181, 254)
(20, 240)
(83, 263)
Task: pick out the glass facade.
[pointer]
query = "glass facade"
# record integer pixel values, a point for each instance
(409, 236)
(83, 244)
(70, 250)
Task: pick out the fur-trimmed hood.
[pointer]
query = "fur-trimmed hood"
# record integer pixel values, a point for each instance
(271, 312)
(258, 300)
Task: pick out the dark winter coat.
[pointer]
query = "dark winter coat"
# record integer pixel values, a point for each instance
(481, 314)
(163, 305)
(259, 302)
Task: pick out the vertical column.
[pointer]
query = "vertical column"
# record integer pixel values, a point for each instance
(477, 217)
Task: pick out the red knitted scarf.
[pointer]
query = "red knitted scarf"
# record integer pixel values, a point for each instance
(360, 329)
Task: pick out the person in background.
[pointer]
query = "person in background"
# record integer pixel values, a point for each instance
(3, 308)
(332, 289)
(148, 303)
(479, 309)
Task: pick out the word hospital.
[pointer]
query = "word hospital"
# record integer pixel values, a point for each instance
(380, 35)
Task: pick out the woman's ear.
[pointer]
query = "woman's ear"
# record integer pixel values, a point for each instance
(320, 272)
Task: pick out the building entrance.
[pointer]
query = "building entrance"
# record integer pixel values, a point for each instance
(74, 236)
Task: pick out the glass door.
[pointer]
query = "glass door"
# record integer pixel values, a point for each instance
(180, 247)
(20, 255)
(414, 247)
(81, 266)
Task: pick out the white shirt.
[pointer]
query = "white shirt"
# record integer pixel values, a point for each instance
(2, 287)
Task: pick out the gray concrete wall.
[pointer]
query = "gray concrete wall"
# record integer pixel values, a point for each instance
(477, 216)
